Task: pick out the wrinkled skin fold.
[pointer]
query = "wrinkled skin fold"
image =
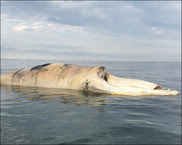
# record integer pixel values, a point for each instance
(86, 78)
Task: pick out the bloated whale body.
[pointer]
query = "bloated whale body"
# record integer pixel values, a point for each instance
(86, 78)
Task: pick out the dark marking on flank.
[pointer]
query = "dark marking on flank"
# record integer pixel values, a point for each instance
(86, 88)
(17, 75)
(39, 66)
(66, 65)
(17, 72)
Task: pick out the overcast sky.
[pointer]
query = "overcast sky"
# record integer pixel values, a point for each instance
(96, 30)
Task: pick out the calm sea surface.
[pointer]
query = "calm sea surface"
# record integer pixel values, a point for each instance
(31, 115)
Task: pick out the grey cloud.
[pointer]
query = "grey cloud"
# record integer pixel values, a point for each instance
(161, 14)
(54, 19)
(121, 17)
(116, 19)
(57, 48)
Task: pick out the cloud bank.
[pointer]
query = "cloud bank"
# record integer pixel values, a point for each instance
(97, 30)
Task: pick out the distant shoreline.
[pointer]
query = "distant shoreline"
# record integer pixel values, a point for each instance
(90, 60)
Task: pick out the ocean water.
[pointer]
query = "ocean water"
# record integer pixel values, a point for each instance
(31, 115)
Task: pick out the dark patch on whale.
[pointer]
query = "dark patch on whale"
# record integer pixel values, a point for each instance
(39, 66)
(102, 68)
(158, 88)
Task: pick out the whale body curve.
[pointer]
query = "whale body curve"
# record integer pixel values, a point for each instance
(86, 78)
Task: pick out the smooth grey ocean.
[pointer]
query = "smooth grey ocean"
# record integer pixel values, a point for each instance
(31, 115)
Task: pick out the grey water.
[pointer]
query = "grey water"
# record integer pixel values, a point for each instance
(31, 115)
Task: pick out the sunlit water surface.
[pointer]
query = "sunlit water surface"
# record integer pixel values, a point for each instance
(31, 115)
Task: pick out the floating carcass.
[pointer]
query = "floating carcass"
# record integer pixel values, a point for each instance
(86, 78)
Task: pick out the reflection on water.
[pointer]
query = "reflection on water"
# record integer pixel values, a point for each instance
(72, 97)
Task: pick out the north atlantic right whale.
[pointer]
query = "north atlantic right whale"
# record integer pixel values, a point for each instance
(86, 78)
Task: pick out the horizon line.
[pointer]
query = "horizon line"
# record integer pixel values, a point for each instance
(89, 60)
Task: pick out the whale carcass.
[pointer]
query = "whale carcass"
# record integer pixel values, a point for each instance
(86, 78)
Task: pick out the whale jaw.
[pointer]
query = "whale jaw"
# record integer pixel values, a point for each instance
(111, 84)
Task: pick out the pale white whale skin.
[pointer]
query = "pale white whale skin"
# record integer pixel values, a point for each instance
(86, 78)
